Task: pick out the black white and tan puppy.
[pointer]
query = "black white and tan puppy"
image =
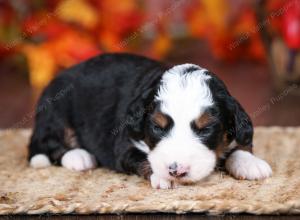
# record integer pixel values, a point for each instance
(135, 115)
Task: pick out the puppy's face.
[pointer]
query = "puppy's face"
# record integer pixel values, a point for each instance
(184, 129)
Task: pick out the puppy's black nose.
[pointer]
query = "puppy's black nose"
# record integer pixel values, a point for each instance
(173, 166)
(177, 171)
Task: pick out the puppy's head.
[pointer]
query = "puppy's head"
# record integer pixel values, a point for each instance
(193, 120)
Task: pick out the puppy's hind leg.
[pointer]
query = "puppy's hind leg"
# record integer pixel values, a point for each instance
(47, 144)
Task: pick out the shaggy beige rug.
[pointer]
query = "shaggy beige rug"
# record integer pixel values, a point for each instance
(57, 190)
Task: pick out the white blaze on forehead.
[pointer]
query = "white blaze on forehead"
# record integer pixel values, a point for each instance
(184, 95)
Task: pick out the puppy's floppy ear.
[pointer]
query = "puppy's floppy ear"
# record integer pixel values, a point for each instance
(237, 123)
(141, 101)
(242, 128)
(137, 112)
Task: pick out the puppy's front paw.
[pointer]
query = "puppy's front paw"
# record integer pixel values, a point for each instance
(79, 160)
(160, 183)
(244, 165)
(40, 161)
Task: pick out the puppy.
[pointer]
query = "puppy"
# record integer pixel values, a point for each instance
(135, 115)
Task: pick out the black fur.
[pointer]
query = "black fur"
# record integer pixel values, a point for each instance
(236, 122)
(108, 100)
(110, 97)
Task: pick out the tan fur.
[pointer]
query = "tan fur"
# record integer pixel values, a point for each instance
(160, 119)
(222, 148)
(70, 138)
(203, 120)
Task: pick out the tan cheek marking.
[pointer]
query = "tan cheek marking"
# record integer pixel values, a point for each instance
(222, 147)
(160, 119)
(203, 120)
(145, 170)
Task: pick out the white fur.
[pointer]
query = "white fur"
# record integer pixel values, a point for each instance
(160, 183)
(142, 146)
(40, 161)
(184, 97)
(244, 165)
(79, 160)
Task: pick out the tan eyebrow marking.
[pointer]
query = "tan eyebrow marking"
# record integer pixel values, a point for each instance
(160, 119)
(203, 120)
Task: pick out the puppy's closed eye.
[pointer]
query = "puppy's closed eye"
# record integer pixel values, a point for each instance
(160, 120)
(204, 124)
(160, 124)
(203, 121)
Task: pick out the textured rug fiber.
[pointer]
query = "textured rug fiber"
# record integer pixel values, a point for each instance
(57, 190)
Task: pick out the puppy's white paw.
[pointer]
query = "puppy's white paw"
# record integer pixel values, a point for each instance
(79, 160)
(160, 183)
(40, 161)
(244, 165)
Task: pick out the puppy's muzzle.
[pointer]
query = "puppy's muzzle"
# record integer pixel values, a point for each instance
(177, 170)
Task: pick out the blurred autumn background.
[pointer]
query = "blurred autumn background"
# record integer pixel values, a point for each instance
(253, 45)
